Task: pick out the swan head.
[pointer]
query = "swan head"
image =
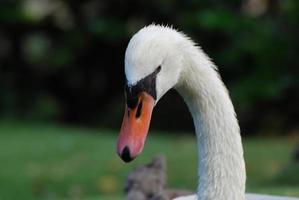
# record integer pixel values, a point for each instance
(153, 64)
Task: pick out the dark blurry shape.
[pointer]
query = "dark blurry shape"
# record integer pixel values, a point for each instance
(72, 55)
(148, 182)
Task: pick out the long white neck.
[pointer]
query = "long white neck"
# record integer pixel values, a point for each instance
(221, 163)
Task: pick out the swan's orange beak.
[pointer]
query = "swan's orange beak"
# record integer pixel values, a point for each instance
(135, 127)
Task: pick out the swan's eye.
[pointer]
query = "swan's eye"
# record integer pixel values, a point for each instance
(131, 97)
(132, 102)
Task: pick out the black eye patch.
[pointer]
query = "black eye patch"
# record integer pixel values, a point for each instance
(132, 102)
(147, 84)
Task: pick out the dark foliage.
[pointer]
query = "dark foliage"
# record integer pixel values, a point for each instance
(63, 60)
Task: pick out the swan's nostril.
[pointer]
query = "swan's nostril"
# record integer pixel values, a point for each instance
(125, 155)
(139, 108)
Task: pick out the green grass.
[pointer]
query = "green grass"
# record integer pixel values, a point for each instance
(55, 162)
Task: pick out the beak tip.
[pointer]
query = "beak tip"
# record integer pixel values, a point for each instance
(125, 155)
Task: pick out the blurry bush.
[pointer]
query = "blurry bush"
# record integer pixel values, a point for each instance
(63, 61)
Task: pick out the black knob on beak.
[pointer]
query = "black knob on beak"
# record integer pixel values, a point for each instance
(125, 155)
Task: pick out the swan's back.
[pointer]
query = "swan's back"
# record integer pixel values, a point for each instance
(248, 197)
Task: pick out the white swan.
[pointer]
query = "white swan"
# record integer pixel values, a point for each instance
(159, 58)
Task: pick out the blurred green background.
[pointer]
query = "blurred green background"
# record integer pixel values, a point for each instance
(61, 92)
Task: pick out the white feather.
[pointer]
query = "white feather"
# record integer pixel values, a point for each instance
(247, 197)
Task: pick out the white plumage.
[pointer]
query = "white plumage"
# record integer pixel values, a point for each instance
(185, 67)
(247, 197)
